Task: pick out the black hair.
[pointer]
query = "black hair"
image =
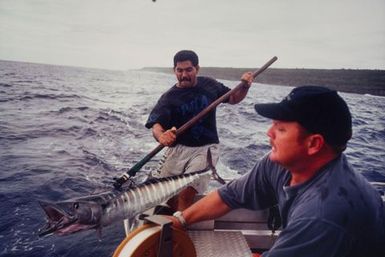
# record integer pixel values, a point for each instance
(186, 55)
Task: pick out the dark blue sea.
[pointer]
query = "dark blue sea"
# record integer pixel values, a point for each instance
(66, 132)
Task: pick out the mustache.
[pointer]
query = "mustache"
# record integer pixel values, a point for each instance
(185, 79)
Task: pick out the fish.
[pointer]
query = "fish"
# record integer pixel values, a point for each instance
(100, 210)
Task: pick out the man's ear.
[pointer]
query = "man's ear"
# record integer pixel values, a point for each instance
(315, 143)
(197, 68)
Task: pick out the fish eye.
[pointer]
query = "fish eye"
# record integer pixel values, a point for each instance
(76, 206)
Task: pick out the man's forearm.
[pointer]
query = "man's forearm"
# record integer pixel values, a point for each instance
(247, 79)
(239, 95)
(207, 208)
(166, 138)
(157, 131)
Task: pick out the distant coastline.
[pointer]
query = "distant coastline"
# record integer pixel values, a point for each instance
(343, 80)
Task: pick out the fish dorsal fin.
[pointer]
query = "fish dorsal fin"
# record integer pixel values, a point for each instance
(210, 165)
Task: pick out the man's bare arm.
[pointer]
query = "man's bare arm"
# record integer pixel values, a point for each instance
(165, 137)
(209, 207)
(240, 94)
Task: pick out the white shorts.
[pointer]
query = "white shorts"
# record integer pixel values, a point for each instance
(186, 159)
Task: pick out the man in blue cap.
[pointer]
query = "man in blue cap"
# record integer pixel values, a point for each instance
(327, 208)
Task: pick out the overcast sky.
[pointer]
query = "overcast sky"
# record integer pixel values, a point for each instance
(130, 34)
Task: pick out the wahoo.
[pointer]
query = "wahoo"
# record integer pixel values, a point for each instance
(97, 211)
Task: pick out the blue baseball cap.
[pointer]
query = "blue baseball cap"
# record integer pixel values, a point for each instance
(318, 109)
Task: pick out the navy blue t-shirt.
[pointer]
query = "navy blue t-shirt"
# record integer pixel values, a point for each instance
(178, 105)
(336, 213)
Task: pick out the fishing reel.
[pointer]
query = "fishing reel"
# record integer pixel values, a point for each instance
(156, 238)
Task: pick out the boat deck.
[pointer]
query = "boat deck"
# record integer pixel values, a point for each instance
(219, 243)
(234, 234)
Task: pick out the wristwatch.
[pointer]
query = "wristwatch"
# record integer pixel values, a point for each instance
(180, 218)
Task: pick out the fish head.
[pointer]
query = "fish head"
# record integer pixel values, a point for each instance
(69, 217)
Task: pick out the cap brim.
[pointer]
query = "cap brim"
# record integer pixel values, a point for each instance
(275, 111)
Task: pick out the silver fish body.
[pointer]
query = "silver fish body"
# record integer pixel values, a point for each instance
(97, 211)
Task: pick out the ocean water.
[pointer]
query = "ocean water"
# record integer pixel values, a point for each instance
(66, 132)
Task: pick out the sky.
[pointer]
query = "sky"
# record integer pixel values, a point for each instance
(131, 34)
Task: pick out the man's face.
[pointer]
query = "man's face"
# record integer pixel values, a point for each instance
(288, 143)
(186, 74)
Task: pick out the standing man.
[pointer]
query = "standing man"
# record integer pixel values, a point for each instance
(327, 208)
(188, 97)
